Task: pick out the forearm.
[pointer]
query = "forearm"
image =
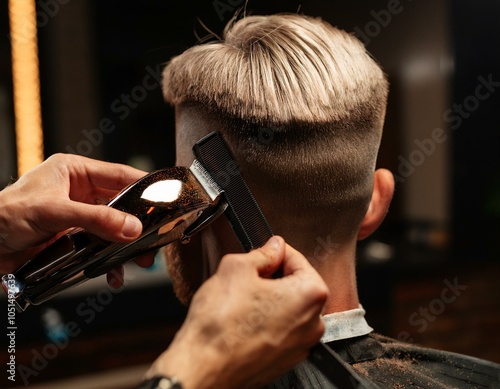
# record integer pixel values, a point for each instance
(4, 230)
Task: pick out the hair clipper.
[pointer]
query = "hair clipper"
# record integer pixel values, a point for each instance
(172, 204)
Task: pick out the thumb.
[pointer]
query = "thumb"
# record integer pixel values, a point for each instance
(268, 258)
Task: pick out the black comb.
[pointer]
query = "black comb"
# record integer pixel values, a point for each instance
(253, 231)
(243, 212)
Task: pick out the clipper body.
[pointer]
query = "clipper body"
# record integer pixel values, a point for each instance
(167, 202)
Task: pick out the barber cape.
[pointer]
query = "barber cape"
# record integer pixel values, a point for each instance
(384, 363)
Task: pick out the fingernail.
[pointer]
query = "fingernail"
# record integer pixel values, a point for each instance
(274, 243)
(132, 227)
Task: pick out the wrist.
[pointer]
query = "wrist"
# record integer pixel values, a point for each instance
(178, 364)
(13, 252)
(5, 211)
(192, 363)
(161, 382)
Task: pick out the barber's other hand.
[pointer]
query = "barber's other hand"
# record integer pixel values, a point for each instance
(63, 192)
(243, 328)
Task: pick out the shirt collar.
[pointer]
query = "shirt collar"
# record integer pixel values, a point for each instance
(345, 325)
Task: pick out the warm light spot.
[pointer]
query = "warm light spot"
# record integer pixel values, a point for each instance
(26, 82)
(164, 191)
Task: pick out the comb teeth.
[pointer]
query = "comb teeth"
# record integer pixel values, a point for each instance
(243, 212)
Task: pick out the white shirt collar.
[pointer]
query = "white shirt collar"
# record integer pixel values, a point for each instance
(345, 325)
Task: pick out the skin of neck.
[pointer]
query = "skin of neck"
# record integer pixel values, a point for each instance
(337, 267)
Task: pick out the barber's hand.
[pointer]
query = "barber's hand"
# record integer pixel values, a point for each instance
(243, 328)
(64, 192)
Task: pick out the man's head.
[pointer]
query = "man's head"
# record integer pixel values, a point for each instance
(302, 106)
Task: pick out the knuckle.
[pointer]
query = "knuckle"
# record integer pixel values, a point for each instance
(323, 291)
(58, 159)
(232, 263)
(233, 260)
(317, 331)
(317, 292)
(103, 217)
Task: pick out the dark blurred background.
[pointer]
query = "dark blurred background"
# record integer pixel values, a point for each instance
(100, 60)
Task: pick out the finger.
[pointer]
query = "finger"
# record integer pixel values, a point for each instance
(145, 260)
(109, 223)
(268, 258)
(302, 277)
(294, 262)
(98, 196)
(115, 277)
(105, 222)
(264, 260)
(105, 174)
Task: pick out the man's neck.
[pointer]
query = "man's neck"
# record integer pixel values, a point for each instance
(336, 266)
(339, 273)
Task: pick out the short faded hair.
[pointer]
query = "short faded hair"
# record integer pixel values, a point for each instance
(319, 97)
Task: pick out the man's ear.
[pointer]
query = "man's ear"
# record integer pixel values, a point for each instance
(383, 189)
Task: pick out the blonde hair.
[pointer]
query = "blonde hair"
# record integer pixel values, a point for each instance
(317, 91)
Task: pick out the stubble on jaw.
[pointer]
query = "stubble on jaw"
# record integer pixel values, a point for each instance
(184, 269)
(189, 265)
